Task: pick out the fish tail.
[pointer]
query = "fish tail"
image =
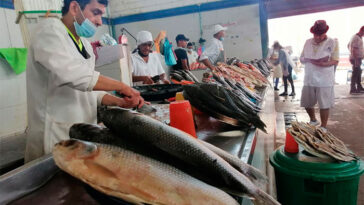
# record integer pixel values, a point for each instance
(262, 198)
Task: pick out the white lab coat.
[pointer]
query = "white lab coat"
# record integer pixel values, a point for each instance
(59, 87)
(141, 68)
(213, 52)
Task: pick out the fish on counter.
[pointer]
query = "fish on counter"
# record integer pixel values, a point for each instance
(179, 144)
(224, 104)
(132, 177)
(320, 143)
(180, 75)
(102, 135)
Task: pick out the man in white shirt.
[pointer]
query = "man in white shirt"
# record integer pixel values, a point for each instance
(215, 52)
(319, 55)
(147, 67)
(356, 56)
(63, 87)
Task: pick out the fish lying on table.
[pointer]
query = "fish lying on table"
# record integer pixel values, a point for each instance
(146, 130)
(102, 135)
(135, 178)
(223, 104)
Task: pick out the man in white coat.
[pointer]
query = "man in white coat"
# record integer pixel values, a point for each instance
(146, 64)
(63, 87)
(215, 51)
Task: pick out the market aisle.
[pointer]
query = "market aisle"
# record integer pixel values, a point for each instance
(346, 121)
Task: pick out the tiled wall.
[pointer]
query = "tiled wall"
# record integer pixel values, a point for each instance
(13, 108)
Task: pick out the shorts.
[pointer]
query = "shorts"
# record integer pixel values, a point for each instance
(325, 97)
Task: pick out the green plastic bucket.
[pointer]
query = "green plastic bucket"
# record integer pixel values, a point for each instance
(302, 179)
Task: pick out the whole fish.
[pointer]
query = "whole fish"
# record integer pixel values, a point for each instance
(251, 172)
(103, 135)
(132, 177)
(223, 101)
(181, 145)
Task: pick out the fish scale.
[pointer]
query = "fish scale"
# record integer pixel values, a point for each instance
(132, 177)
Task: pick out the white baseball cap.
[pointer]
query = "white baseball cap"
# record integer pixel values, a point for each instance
(144, 37)
(219, 28)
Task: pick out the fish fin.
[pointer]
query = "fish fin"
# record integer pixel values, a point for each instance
(99, 169)
(255, 175)
(127, 197)
(262, 198)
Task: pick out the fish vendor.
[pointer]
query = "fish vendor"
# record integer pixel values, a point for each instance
(147, 66)
(215, 51)
(63, 87)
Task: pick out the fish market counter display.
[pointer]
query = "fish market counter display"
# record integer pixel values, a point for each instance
(42, 182)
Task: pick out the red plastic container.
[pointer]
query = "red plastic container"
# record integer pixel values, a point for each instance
(181, 117)
(291, 145)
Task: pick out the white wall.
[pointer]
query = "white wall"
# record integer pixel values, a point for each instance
(129, 7)
(13, 113)
(243, 36)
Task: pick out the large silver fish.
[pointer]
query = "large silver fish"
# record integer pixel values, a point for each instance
(179, 144)
(135, 178)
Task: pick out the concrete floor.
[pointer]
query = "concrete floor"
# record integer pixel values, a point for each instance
(346, 120)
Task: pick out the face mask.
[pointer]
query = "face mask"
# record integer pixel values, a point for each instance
(87, 29)
(222, 39)
(190, 50)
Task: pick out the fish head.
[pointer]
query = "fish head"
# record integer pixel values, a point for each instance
(74, 149)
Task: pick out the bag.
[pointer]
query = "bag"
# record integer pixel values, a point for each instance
(168, 53)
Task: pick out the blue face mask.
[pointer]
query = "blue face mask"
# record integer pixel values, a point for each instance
(222, 39)
(87, 29)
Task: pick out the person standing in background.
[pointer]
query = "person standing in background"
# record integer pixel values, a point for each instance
(286, 63)
(356, 56)
(277, 69)
(215, 51)
(319, 55)
(191, 54)
(147, 67)
(181, 53)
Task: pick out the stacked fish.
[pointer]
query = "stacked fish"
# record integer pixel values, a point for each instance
(320, 143)
(263, 65)
(232, 106)
(142, 160)
(244, 74)
(180, 75)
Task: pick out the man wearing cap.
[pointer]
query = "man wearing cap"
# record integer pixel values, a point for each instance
(181, 53)
(215, 52)
(147, 67)
(319, 55)
(356, 56)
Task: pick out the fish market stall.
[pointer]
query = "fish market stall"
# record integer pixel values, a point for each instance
(217, 130)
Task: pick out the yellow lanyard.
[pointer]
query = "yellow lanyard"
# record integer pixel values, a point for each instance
(79, 42)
